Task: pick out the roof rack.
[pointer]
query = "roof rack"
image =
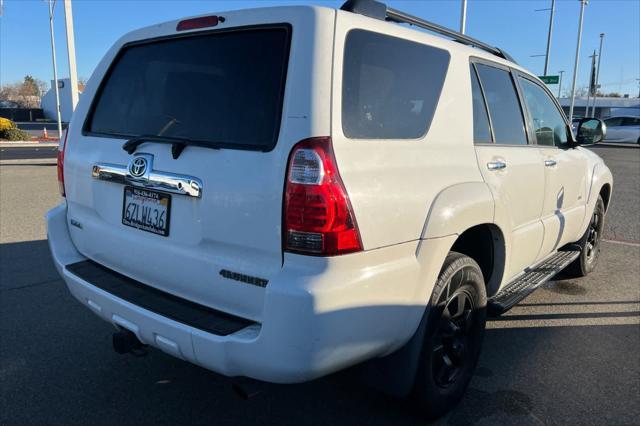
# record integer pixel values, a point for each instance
(378, 10)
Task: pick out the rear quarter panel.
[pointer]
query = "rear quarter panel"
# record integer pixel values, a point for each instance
(393, 183)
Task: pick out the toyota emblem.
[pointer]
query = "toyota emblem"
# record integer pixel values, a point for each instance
(138, 167)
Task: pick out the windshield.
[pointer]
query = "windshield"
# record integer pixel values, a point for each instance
(223, 87)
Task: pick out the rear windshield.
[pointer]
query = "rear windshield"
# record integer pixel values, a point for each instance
(223, 88)
(390, 86)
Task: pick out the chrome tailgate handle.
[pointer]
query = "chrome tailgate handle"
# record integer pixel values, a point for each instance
(496, 165)
(162, 181)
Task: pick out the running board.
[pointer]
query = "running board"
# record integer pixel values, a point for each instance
(525, 284)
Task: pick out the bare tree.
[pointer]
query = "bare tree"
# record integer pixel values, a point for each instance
(26, 94)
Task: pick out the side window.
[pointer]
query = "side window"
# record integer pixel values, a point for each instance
(548, 122)
(390, 86)
(504, 106)
(481, 132)
(617, 121)
(631, 121)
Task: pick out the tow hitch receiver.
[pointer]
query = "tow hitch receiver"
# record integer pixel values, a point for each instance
(247, 388)
(125, 342)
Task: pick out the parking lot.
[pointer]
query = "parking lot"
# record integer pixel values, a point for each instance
(568, 354)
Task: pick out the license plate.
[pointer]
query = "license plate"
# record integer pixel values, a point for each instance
(146, 210)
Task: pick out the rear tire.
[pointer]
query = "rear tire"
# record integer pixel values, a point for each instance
(453, 336)
(590, 243)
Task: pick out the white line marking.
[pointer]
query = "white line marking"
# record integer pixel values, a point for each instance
(624, 243)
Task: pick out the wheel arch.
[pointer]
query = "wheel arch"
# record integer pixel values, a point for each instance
(458, 208)
(485, 243)
(605, 193)
(394, 374)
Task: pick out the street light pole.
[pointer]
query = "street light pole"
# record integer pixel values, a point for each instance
(592, 82)
(463, 17)
(583, 3)
(71, 53)
(560, 84)
(546, 60)
(55, 67)
(595, 95)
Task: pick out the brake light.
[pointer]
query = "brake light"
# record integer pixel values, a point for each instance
(318, 216)
(201, 22)
(61, 148)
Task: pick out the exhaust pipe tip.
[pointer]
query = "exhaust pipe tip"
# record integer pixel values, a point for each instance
(125, 342)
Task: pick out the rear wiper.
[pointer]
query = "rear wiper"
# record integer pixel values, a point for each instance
(177, 144)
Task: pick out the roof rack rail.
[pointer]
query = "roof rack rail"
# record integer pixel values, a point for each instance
(379, 10)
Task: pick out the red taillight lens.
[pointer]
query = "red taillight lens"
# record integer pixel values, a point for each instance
(201, 22)
(61, 148)
(318, 216)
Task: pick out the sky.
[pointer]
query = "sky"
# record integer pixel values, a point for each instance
(513, 25)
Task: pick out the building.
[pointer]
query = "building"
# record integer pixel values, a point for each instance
(48, 102)
(605, 107)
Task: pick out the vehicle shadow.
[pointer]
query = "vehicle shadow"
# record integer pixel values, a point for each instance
(58, 367)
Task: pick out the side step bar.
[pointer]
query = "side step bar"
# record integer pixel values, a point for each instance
(525, 284)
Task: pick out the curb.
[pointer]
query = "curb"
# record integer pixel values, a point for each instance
(29, 162)
(27, 144)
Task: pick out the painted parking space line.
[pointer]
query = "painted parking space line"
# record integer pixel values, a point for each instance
(622, 242)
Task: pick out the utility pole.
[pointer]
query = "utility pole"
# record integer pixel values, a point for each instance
(1, 12)
(592, 82)
(560, 84)
(583, 3)
(463, 17)
(595, 95)
(71, 54)
(546, 60)
(55, 67)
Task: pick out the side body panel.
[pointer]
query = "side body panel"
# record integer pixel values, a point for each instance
(565, 196)
(518, 190)
(393, 183)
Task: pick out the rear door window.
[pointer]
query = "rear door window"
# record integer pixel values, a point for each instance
(481, 131)
(504, 106)
(390, 86)
(223, 88)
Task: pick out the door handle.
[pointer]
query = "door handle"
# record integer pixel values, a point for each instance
(496, 165)
(549, 163)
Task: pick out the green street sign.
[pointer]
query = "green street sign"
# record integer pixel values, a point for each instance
(549, 79)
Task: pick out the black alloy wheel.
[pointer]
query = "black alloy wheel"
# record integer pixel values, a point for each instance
(589, 244)
(456, 319)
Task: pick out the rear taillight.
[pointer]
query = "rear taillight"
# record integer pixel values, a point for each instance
(61, 148)
(318, 216)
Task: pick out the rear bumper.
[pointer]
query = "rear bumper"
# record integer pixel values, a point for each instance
(320, 314)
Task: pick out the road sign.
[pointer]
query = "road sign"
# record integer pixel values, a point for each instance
(549, 79)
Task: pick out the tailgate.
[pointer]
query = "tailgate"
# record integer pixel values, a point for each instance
(204, 224)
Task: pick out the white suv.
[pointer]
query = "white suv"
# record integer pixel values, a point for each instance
(281, 193)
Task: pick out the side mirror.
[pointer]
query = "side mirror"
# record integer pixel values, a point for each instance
(590, 131)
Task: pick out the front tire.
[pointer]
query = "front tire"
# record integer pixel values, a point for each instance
(590, 243)
(453, 337)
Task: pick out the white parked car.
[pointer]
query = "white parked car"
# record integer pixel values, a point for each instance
(281, 193)
(623, 129)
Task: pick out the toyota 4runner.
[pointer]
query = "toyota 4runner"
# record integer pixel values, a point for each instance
(281, 193)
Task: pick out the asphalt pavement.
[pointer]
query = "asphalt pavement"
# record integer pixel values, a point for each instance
(24, 153)
(568, 354)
